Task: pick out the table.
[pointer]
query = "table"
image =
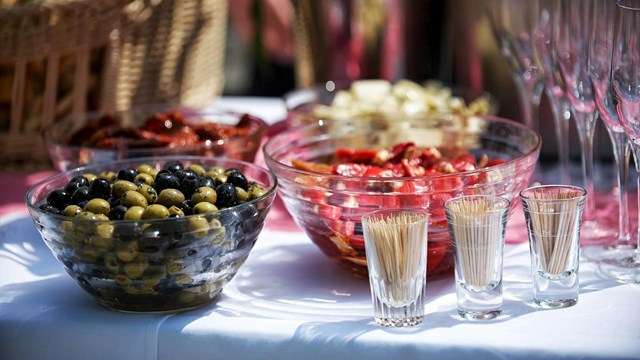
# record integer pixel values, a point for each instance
(289, 301)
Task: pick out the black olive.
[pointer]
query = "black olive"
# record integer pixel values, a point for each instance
(226, 195)
(72, 186)
(186, 207)
(188, 185)
(165, 181)
(83, 181)
(117, 212)
(185, 173)
(173, 166)
(80, 195)
(236, 178)
(99, 188)
(206, 181)
(49, 209)
(113, 201)
(127, 174)
(59, 199)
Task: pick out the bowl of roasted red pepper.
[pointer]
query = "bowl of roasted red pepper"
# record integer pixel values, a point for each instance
(152, 131)
(331, 173)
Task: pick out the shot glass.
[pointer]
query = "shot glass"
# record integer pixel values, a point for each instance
(477, 225)
(554, 215)
(396, 247)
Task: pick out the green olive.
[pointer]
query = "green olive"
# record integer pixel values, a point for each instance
(143, 178)
(105, 230)
(86, 215)
(155, 211)
(204, 207)
(133, 198)
(90, 254)
(241, 194)
(90, 177)
(204, 193)
(126, 252)
(176, 211)
(198, 169)
(215, 171)
(184, 279)
(102, 217)
(198, 225)
(256, 191)
(72, 210)
(134, 213)
(148, 192)
(111, 262)
(170, 197)
(121, 186)
(98, 206)
(220, 179)
(145, 168)
(101, 243)
(136, 268)
(108, 175)
(174, 268)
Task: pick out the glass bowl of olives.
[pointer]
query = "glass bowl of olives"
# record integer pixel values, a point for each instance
(153, 234)
(153, 131)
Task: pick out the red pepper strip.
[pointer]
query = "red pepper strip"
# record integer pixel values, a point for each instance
(398, 151)
(362, 156)
(495, 162)
(412, 167)
(464, 162)
(310, 166)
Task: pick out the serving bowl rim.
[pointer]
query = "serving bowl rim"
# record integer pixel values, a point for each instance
(325, 121)
(34, 207)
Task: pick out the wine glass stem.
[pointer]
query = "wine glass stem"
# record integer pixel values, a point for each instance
(636, 152)
(585, 123)
(530, 93)
(559, 106)
(621, 154)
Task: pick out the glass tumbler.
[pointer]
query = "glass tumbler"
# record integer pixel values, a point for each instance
(554, 215)
(396, 250)
(477, 225)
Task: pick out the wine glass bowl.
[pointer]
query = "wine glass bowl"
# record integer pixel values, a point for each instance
(624, 266)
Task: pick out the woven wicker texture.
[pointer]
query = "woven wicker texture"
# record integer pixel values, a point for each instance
(67, 57)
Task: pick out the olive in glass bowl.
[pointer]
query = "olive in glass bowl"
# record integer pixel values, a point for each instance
(153, 131)
(326, 189)
(153, 234)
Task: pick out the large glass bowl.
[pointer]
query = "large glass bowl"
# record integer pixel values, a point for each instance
(66, 154)
(160, 265)
(329, 207)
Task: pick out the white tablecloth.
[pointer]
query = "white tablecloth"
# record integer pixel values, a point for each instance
(289, 301)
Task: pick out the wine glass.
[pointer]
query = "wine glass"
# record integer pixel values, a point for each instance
(512, 28)
(625, 81)
(571, 44)
(544, 20)
(600, 55)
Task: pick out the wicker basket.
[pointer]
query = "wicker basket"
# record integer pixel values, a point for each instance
(67, 57)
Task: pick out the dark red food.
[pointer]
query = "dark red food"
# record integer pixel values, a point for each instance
(171, 129)
(340, 235)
